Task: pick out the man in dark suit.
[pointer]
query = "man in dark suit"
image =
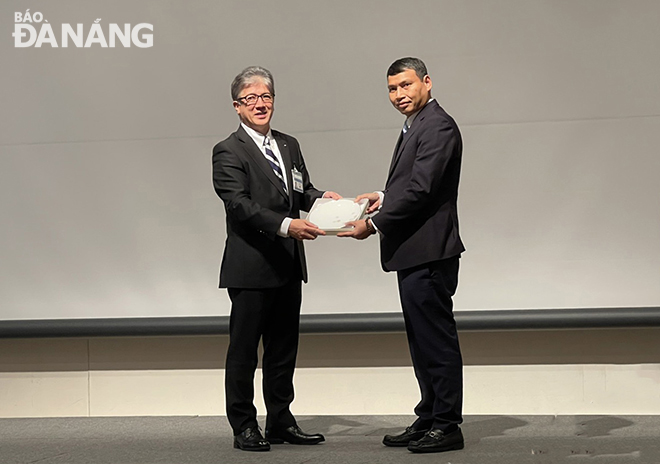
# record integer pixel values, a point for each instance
(417, 222)
(261, 177)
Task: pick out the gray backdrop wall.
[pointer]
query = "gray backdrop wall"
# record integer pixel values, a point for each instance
(106, 202)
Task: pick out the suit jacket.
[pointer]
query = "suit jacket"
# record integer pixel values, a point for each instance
(419, 220)
(255, 205)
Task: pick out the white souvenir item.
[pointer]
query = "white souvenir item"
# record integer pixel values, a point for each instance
(331, 215)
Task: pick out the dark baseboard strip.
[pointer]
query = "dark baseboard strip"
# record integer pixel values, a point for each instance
(491, 320)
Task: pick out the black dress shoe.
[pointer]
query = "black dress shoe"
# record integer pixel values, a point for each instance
(292, 435)
(435, 441)
(251, 439)
(408, 435)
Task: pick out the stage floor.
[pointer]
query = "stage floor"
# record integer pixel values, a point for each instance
(350, 440)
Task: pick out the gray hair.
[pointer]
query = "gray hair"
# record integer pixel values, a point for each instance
(402, 64)
(247, 77)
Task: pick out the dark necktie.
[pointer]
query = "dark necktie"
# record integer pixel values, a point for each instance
(272, 159)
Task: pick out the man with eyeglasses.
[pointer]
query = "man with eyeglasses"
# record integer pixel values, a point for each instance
(260, 175)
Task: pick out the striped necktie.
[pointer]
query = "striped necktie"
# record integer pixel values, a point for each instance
(405, 126)
(272, 160)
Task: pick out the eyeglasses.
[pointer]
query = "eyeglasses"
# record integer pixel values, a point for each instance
(252, 99)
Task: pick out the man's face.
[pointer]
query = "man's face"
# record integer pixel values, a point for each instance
(256, 116)
(409, 93)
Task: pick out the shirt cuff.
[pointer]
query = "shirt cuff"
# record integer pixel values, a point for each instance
(374, 224)
(381, 197)
(284, 228)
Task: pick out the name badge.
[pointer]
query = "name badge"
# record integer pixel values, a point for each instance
(297, 180)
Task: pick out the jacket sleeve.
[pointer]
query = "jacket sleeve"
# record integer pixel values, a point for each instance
(230, 180)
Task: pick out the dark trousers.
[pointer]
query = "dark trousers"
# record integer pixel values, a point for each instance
(272, 314)
(426, 298)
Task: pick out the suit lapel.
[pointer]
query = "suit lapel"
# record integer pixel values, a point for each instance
(401, 144)
(286, 159)
(403, 138)
(395, 156)
(260, 160)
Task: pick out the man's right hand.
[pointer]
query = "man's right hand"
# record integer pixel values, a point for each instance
(374, 201)
(300, 229)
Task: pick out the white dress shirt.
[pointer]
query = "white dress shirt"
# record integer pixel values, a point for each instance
(259, 140)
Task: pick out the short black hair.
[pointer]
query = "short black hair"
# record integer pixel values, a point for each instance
(409, 62)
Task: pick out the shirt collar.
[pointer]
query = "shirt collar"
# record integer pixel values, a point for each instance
(256, 136)
(412, 117)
